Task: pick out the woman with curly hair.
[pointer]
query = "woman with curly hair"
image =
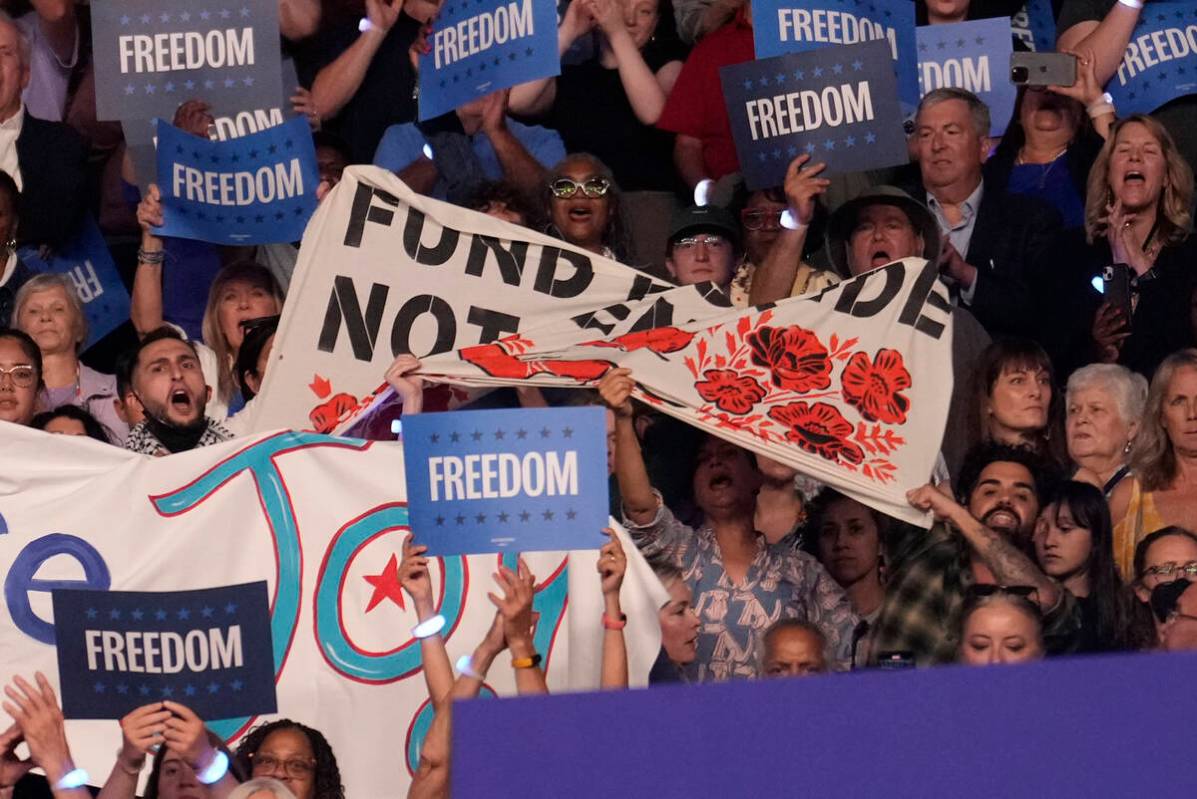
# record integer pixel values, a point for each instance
(296, 755)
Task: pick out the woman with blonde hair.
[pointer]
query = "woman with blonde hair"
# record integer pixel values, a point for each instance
(1163, 459)
(1138, 219)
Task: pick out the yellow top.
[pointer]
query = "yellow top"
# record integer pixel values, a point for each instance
(1141, 519)
(806, 280)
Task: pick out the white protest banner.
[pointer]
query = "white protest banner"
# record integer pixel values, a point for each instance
(847, 386)
(321, 520)
(383, 271)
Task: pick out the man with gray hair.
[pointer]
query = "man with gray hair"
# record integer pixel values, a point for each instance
(995, 245)
(47, 160)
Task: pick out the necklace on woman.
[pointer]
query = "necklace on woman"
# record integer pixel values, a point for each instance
(1021, 161)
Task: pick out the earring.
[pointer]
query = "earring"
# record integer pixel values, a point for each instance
(1127, 448)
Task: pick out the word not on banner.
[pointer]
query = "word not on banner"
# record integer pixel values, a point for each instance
(507, 481)
(785, 26)
(974, 56)
(839, 105)
(208, 649)
(482, 46)
(1160, 63)
(152, 55)
(258, 189)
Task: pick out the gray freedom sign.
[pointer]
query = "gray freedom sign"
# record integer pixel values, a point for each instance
(153, 55)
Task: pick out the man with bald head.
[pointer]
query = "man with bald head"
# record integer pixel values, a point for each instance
(46, 159)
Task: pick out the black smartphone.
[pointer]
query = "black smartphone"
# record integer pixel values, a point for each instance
(1042, 69)
(1116, 279)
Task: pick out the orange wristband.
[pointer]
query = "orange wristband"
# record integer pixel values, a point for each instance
(526, 663)
(615, 624)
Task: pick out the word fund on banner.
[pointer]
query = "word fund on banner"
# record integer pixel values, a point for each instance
(974, 56)
(482, 46)
(783, 26)
(152, 55)
(1160, 63)
(209, 649)
(838, 105)
(507, 481)
(258, 189)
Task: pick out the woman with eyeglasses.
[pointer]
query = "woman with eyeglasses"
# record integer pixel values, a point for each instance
(1000, 624)
(296, 755)
(608, 104)
(1167, 555)
(584, 208)
(49, 309)
(1073, 545)
(20, 376)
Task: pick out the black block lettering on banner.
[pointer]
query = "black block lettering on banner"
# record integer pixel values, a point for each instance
(343, 306)
(364, 211)
(446, 325)
(510, 261)
(423, 254)
(590, 321)
(850, 302)
(923, 293)
(494, 324)
(546, 275)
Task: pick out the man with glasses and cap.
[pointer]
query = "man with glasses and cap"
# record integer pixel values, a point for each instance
(704, 241)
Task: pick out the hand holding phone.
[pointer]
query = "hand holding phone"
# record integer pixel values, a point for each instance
(1042, 69)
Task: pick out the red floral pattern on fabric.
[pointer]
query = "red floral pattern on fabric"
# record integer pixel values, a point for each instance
(495, 361)
(819, 428)
(729, 391)
(872, 387)
(658, 339)
(795, 357)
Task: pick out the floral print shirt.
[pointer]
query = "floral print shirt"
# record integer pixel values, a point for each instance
(778, 585)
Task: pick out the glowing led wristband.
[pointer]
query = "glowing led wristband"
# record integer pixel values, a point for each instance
(75, 778)
(789, 221)
(429, 627)
(702, 192)
(1135, 4)
(215, 770)
(465, 665)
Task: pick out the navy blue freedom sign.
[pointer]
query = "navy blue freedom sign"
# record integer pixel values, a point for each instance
(794, 26)
(153, 55)
(258, 189)
(838, 104)
(482, 46)
(508, 480)
(1160, 63)
(1035, 26)
(208, 649)
(89, 265)
(973, 56)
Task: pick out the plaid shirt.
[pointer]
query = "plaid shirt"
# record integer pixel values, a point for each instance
(929, 576)
(143, 441)
(779, 584)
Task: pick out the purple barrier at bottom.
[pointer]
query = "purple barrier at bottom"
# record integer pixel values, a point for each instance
(1086, 727)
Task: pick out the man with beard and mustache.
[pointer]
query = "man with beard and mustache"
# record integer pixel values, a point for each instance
(740, 585)
(166, 381)
(983, 539)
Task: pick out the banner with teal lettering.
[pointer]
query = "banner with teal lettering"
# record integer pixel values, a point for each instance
(790, 26)
(973, 56)
(1160, 63)
(258, 189)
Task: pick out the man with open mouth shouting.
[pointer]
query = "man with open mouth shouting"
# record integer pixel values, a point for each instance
(168, 383)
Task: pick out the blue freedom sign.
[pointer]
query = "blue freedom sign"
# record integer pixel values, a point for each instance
(208, 649)
(1035, 26)
(794, 26)
(482, 46)
(153, 55)
(89, 265)
(258, 189)
(507, 480)
(973, 56)
(1160, 63)
(839, 104)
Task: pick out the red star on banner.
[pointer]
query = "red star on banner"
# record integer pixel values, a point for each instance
(386, 585)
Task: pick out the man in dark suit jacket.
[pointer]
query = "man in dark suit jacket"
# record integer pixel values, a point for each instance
(997, 246)
(50, 156)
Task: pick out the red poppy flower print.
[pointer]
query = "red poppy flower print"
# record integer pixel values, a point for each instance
(729, 391)
(496, 361)
(872, 387)
(794, 355)
(658, 339)
(820, 429)
(578, 370)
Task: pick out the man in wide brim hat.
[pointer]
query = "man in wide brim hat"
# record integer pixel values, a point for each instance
(923, 239)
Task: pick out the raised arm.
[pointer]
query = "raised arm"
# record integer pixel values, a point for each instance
(536, 97)
(409, 386)
(773, 279)
(612, 565)
(519, 167)
(515, 606)
(145, 307)
(1008, 564)
(337, 82)
(141, 732)
(1106, 39)
(414, 577)
(38, 716)
(58, 24)
(645, 93)
(298, 19)
(639, 501)
(187, 736)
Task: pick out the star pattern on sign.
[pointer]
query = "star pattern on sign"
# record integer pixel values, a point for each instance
(143, 689)
(849, 141)
(114, 614)
(748, 85)
(941, 45)
(762, 157)
(922, 47)
(130, 89)
(244, 12)
(165, 17)
(189, 690)
(460, 519)
(480, 518)
(145, 19)
(545, 432)
(547, 515)
(98, 687)
(857, 66)
(125, 20)
(213, 687)
(763, 80)
(206, 612)
(169, 86)
(979, 40)
(567, 432)
(185, 16)
(571, 514)
(776, 153)
(504, 517)
(521, 434)
(205, 15)
(792, 151)
(137, 614)
(960, 44)
(525, 516)
(500, 435)
(188, 85)
(838, 69)
(780, 77)
(160, 614)
(817, 72)
(870, 138)
(386, 585)
(122, 689)
(230, 608)
(476, 435)
(92, 613)
(236, 685)
(440, 521)
(183, 614)
(168, 691)
(799, 75)
(811, 147)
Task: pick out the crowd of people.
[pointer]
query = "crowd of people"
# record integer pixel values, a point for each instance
(1066, 496)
